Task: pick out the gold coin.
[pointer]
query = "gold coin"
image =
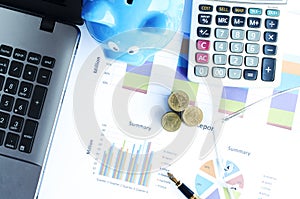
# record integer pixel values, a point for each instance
(178, 100)
(171, 121)
(192, 116)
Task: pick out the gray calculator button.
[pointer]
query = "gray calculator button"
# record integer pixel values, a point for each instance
(219, 72)
(219, 59)
(236, 47)
(237, 34)
(253, 35)
(201, 71)
(252, 48)
(234, 73)
(221, 46)
(251, 61)
(222, 33)
(235, 60)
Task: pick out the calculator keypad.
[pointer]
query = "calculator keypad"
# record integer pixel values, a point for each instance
(233, 43)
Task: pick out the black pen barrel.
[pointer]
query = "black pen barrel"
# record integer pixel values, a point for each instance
(186, 191)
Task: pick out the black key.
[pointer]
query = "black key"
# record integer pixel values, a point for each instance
(271, 23)
(28, 136)
(270, 36)
(203, 32)
(30, 129)
(2, 78)
(11, 140)
(15, 69)
(238, 21)
(44, 76)
(239, 10)
(11, 86)
(250, 74)
(48, 62)
(268, 69)
(20, 54)
(7, 102)
(254, 22)
(205, 8)
(6, 50)
(3, 65)
(30, 72)
(223, 9)
(25, 89)
(204, 19)
(222, 20)
(2, 135)
(16, 123)
(21, 106)
(270, 49)
(34, 58)
(26, 145)
(37, 102)
(4, 117)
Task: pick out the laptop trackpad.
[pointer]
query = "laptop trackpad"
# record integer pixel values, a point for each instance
(18, 179)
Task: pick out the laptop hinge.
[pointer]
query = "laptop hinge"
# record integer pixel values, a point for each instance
(47, 25)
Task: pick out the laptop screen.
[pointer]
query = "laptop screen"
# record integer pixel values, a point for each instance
(67, 11)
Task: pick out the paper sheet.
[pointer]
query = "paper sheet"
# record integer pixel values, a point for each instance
(256, 152)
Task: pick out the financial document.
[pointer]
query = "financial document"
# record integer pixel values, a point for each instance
(109, 141)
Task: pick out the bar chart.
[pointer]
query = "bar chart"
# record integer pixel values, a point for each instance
(280, 113)
(131, 165)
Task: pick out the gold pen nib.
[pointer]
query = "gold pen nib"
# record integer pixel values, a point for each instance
(183, 188)
(171, 176)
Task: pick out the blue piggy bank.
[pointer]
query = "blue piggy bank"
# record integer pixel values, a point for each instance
(132, 30)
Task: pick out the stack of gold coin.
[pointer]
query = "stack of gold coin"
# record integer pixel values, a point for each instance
(171, 121)
(178, 101)
(192, 116)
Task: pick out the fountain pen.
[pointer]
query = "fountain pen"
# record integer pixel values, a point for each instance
(183, 188)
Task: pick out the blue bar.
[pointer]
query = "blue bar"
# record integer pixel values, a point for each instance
(135, 163)
(130, 163)
(116, 164)
(148, 169)
(102, 163)
(235, 94)
(121, 164)
(144, 163)
(108, 159)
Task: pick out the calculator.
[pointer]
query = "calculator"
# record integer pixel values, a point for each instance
(236, 42)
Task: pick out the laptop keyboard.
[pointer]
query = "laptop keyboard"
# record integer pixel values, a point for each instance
(24, 78)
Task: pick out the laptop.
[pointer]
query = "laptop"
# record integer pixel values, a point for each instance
(38, 41)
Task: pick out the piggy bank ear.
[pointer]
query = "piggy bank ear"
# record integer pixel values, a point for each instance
(99, 19)
(155, 20)
(98, 12)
